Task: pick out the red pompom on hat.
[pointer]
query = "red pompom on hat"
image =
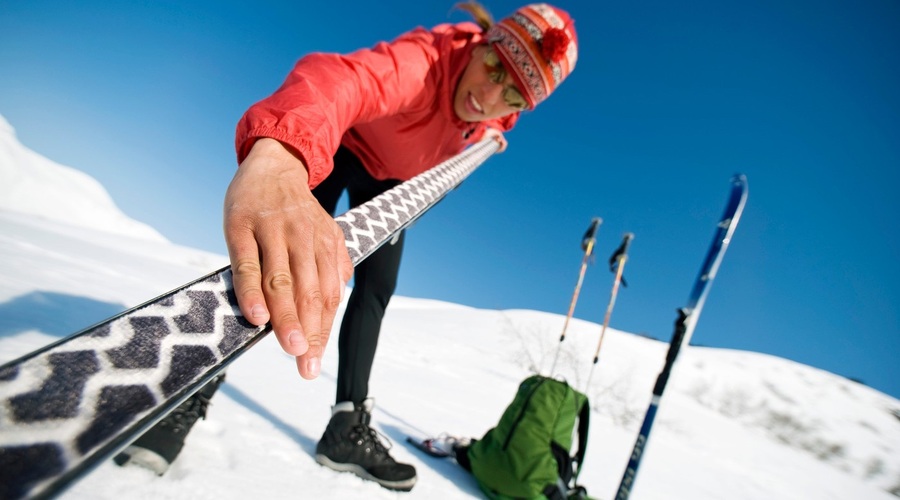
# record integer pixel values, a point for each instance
(538, 45)
(554, 44)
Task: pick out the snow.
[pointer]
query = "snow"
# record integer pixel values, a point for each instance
(732, 424)
(35, 185)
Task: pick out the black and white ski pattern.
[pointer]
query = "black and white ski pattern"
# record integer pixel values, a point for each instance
(70, 405)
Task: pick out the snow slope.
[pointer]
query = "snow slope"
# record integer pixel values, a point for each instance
(37, 186)
(732, 424)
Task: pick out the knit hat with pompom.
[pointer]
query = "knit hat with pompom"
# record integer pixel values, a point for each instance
(538, 45)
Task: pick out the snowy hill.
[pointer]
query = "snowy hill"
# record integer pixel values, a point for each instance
(34, 185)
(732, 424)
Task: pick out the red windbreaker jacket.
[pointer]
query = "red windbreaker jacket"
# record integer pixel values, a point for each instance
(391, 105)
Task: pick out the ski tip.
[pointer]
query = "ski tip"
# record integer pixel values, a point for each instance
(739, 188)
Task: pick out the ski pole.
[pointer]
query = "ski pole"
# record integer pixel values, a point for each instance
(587, 244)
(617, 264)
(686, 322)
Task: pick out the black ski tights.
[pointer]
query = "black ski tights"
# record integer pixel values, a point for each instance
(374, 279)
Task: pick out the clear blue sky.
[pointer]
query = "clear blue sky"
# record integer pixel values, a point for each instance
(667, 102)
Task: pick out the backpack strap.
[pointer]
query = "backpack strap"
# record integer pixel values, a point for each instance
(558, 491)
(583, 424)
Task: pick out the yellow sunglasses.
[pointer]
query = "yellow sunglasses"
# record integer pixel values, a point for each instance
(497, 74)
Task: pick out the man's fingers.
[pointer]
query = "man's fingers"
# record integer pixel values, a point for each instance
(247, 275)
(345, 265)
(320, 294)
(308, 290)
(317, 308)
(278, 287)
(310, 364)
(331, 277)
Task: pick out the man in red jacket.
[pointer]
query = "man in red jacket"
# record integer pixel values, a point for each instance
(364, 122)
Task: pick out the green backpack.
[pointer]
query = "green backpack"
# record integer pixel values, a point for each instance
(529, 453)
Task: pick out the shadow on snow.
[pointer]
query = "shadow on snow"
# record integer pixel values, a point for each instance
(53, 313)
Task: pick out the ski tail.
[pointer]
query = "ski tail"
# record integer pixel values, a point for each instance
(442, 446)
(687, 321)
(69, 406)
(429, 446)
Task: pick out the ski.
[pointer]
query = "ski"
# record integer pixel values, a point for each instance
(428, 446)
(441, 446)
(72, 404)
(687, 321)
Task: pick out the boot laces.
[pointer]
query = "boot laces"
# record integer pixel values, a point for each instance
(363, 434)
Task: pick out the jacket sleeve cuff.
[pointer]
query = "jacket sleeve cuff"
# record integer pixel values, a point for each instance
(317, 167)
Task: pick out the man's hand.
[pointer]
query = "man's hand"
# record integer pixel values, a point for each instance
(288, 257)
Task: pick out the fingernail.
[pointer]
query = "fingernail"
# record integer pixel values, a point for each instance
(313, 366)
(258, 312)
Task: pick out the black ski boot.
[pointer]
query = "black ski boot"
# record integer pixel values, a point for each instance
(157, 448)
(350, 445)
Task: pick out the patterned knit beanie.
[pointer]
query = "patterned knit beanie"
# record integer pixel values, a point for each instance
(537, 43)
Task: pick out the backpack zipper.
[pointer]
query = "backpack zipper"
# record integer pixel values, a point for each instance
(521, 414)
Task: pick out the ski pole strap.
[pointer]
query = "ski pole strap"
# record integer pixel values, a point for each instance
(672, 353)
(584, 418)
(620, 255)
(69, 406)
(590, 235)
